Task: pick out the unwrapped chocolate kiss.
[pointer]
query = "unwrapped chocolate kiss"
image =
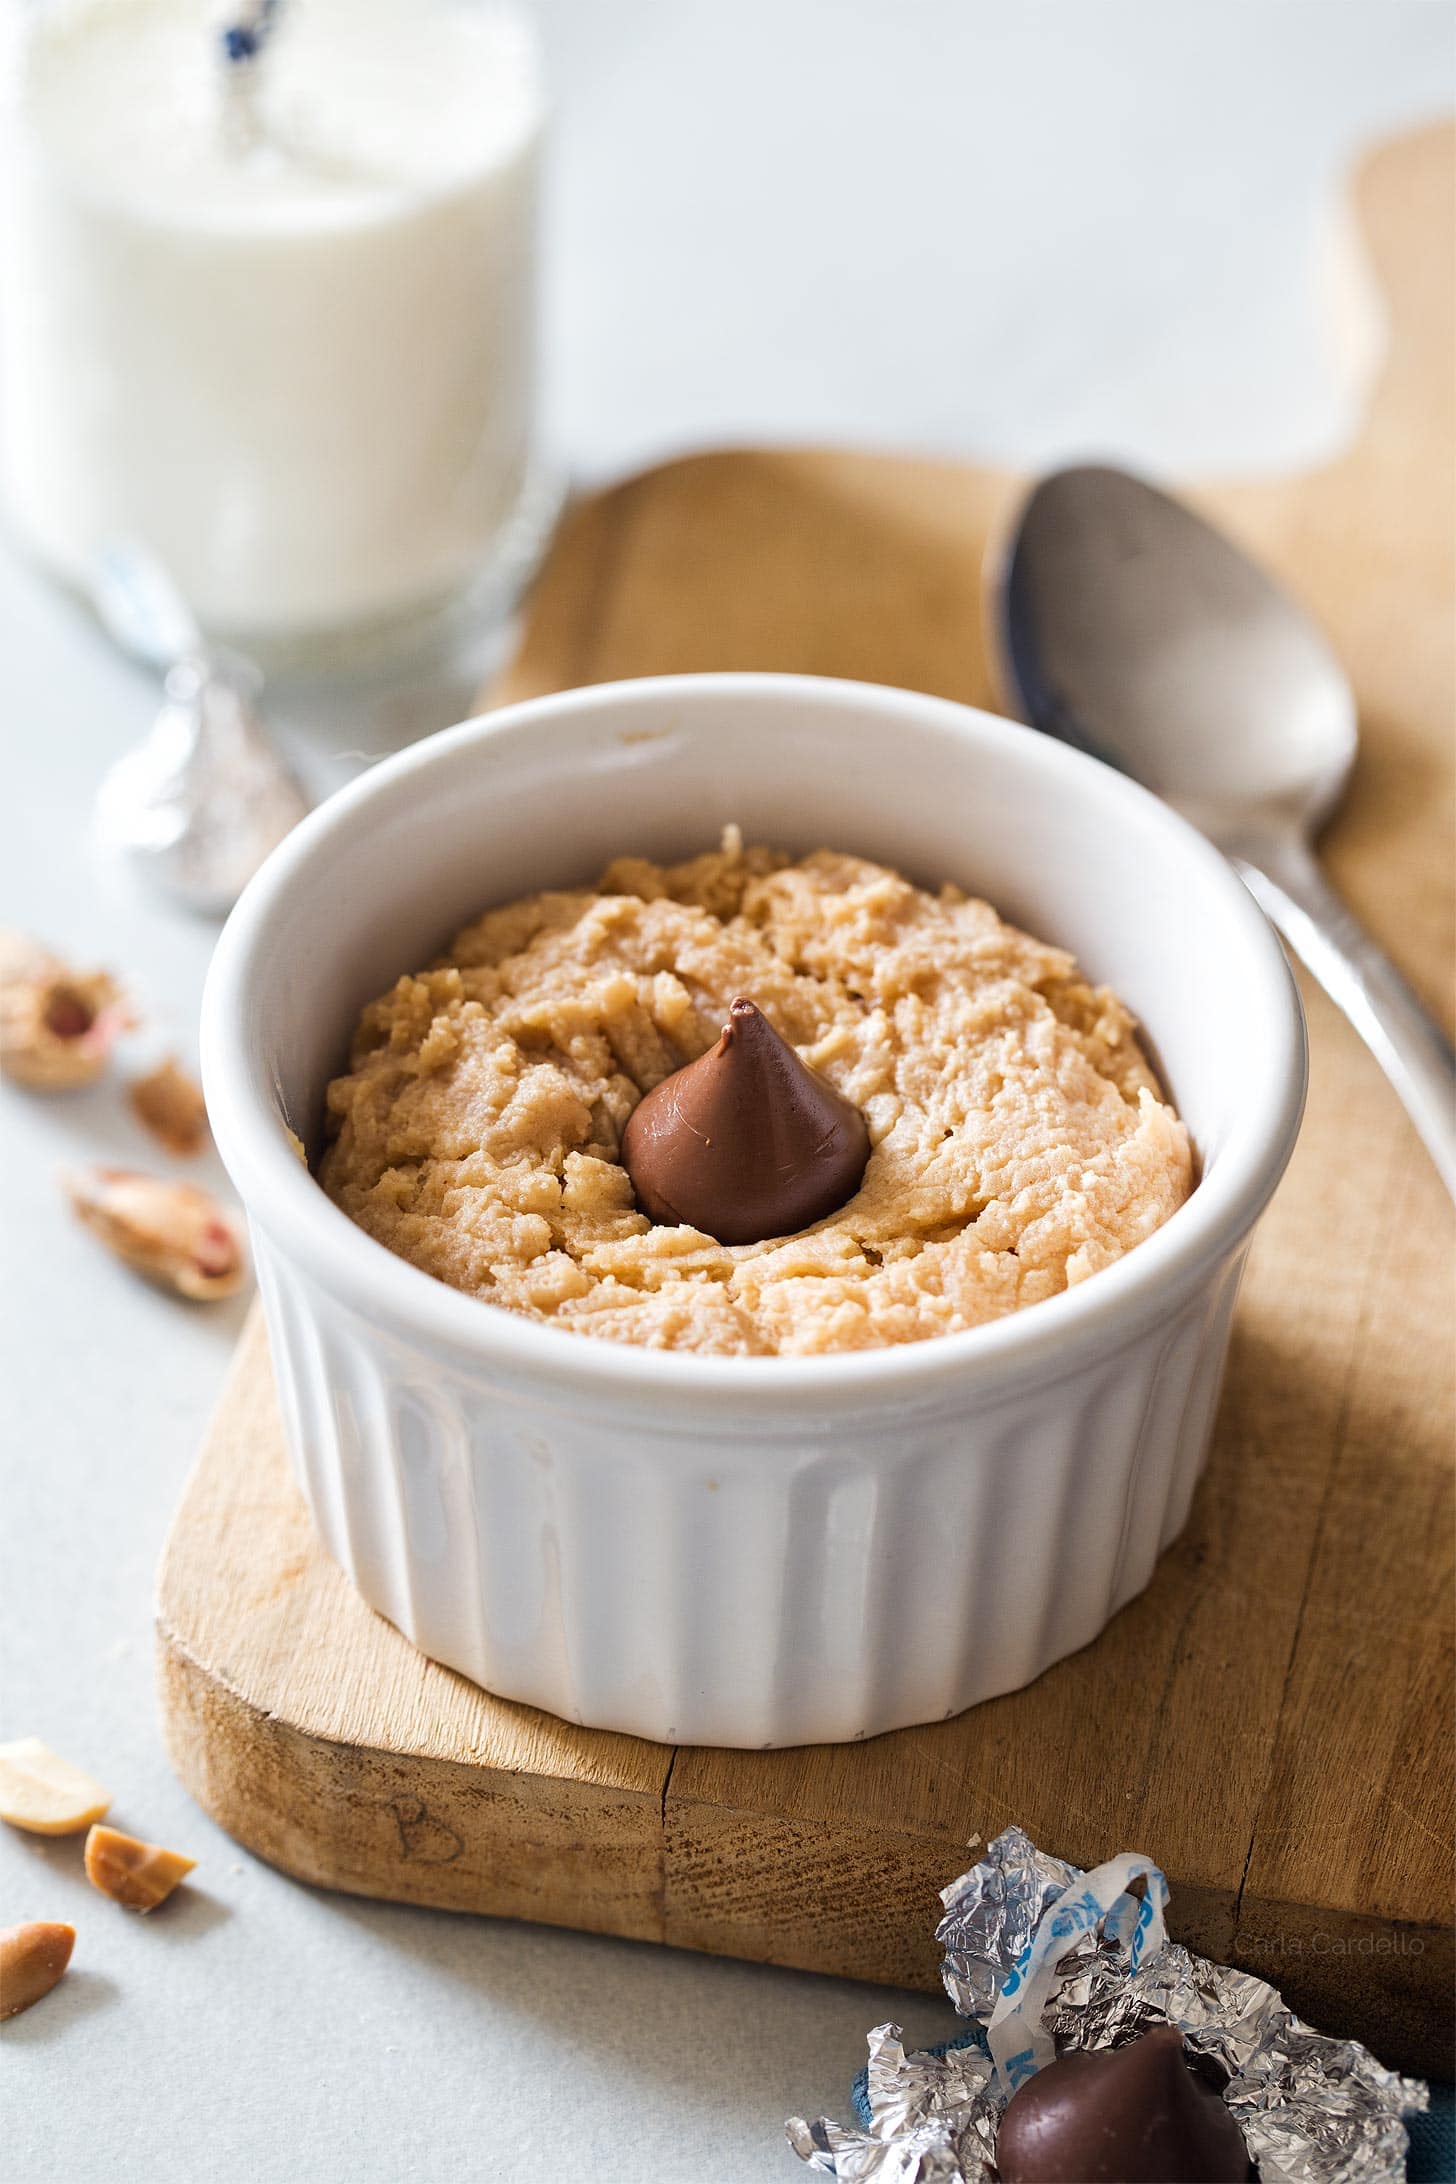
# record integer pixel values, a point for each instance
(1130, 2115)
(746, 1142)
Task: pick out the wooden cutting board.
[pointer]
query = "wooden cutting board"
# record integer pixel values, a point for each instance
(1272, 1719)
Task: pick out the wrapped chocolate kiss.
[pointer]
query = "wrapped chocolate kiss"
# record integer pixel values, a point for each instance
(199, 804)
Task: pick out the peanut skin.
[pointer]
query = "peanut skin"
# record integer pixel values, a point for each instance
(169, 1104)
(32, 1959)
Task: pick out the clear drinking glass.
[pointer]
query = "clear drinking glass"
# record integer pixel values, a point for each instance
(274, 315)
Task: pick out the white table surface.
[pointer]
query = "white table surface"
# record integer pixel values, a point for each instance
(1024, 231)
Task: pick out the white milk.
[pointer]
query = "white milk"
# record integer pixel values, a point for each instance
(302, 373)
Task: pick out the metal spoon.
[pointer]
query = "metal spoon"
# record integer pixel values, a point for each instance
(1132, 629)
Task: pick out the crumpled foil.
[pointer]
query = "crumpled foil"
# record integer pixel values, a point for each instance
(1314, 2110)
(934, 2120)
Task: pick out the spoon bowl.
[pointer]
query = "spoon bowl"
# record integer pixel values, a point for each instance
(1163, 649)
(1135, 631)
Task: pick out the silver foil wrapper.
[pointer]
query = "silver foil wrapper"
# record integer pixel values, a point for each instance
(934, 2120)
(1314, 2110)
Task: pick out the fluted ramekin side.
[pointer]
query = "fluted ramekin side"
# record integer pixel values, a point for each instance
(711, 1585)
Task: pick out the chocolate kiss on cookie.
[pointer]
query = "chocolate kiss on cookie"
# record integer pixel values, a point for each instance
(745, 1142)
(1128, 2115)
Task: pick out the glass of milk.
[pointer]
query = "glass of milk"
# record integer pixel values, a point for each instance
(275, 318)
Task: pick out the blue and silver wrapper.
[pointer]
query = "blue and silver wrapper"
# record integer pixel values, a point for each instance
(1041, 1958)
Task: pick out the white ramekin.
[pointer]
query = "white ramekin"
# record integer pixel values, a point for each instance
(756, 1551)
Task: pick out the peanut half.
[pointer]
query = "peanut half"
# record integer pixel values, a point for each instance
(57, 1026)
(173, 1233)
(139, 1875)
(44, 1793)
(32, 1959)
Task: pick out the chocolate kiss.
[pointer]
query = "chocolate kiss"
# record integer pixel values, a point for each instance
(745, 1142)
(1128, 2115)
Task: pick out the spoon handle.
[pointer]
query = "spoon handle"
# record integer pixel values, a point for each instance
(1361, 979)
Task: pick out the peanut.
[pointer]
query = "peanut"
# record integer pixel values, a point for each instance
(139, 1875)
(44, 1793)
(173, 1233)
(32, 1959)
(57, 1026)
(169, 1103)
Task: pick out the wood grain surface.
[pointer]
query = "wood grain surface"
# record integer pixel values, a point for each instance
(1272, 1719)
